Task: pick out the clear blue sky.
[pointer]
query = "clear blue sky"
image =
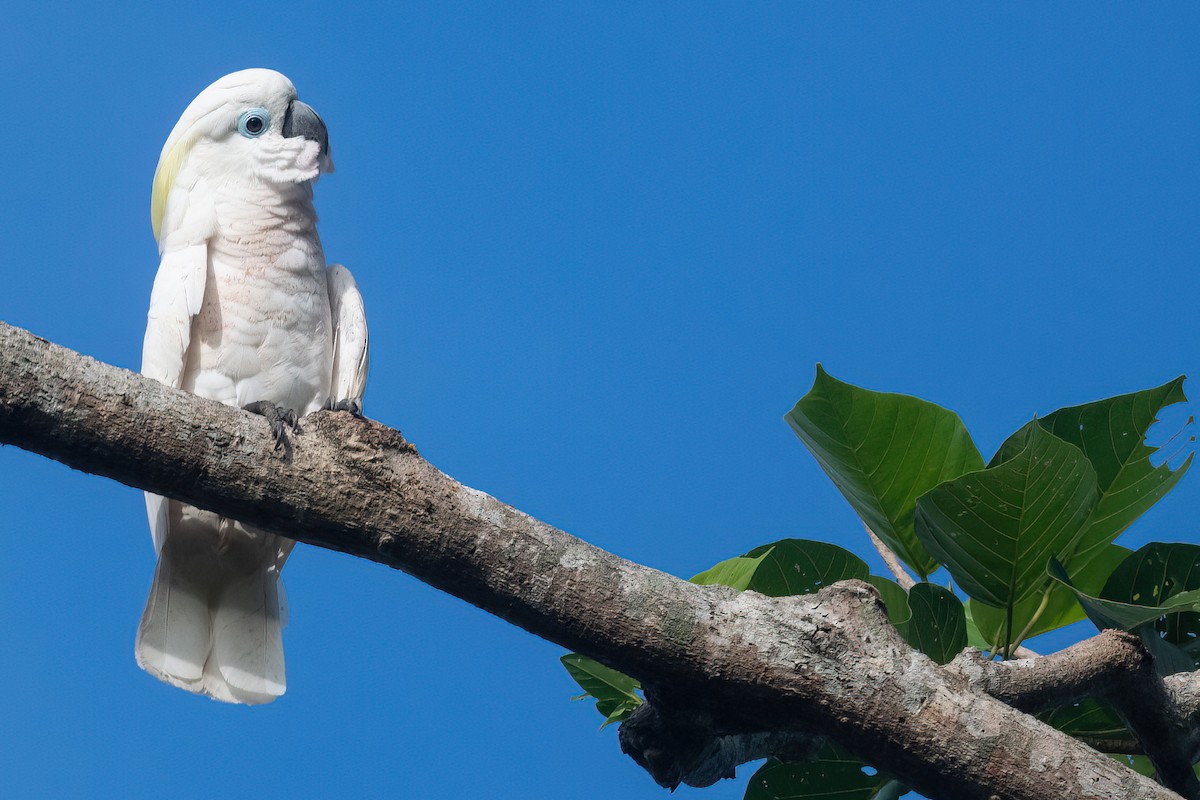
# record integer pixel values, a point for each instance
(602, 247)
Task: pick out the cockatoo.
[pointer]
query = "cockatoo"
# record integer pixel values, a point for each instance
(243, 311)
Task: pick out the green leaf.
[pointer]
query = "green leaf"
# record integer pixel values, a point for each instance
(1154, 574)
(614, 692)
(975, 636)
(1112, 433)
(1139, 764)
(735, 572)
(938, 627)
(1014, 444)
(1061, 610)
(1158, 573)
(1088, 718)
(883, 451)
(830, 775)
(995, 529)
(895, 600)
(1125, 616)
(787, 567)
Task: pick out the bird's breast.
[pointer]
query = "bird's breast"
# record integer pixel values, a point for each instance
(263, 332)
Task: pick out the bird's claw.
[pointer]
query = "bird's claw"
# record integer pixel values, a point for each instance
(353, 405)
(280, 419)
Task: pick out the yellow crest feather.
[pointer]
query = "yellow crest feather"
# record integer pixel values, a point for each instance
(164, 178)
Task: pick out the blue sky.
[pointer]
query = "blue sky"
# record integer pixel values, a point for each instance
(602, 247)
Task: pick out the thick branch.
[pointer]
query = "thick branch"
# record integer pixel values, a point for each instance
(1100, 667)
(679, 745)
(1112, 666)
(827, 664)
(1164, 734)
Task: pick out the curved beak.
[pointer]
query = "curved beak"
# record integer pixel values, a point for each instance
(302, 120)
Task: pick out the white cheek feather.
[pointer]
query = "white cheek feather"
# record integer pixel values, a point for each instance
(288, 160)
(309, 160)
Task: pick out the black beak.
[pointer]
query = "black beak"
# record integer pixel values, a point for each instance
(301, 120)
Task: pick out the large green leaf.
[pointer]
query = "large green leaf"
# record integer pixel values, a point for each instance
(883, 451)
(615, 692)
(1158, 573)
(1154, 574)
(1112, 434)
(829, 775)
(1061, 609)
(938, 627)
(1107, 613)
(787, 567)
(995, 529)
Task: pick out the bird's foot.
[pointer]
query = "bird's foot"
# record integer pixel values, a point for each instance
(353, 405)
(280, 420)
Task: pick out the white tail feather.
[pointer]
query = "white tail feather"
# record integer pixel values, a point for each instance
(214, 620)
(174, 635)
(248, 638)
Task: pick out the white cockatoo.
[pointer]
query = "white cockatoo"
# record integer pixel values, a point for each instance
(244, 311)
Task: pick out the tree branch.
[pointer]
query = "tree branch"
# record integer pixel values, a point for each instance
(890, 560)
(683, 745)
(1101, 667)
(1112, 666)
(827, 664)
(1163, 733)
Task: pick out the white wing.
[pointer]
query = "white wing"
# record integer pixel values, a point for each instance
(351, 351)
(177, 296)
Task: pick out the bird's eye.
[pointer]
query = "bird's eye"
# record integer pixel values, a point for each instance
(253, 123)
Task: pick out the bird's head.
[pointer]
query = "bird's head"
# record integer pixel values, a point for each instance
(247, 126)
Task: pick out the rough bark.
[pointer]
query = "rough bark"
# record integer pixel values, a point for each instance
(717, 664)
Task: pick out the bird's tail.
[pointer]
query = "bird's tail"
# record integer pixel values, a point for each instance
(213, 624)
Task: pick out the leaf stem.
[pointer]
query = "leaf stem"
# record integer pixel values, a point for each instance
(1008, 626)
(996, 644)
(1036, 615)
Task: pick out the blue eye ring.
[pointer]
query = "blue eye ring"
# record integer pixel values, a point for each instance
(254, 122)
